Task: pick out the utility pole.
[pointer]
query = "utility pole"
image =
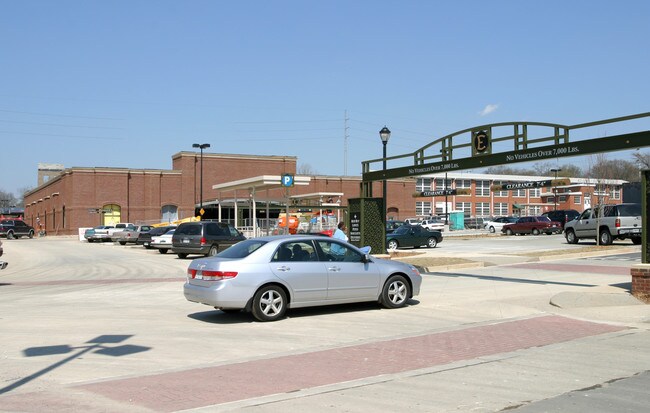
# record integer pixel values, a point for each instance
(345, 142)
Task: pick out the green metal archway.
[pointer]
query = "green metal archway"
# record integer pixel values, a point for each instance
(499, 144)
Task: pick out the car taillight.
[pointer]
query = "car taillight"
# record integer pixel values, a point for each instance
(203, 241)
(617, 223)
(208, 275)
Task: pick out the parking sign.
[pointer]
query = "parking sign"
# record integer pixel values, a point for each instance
(287, 180)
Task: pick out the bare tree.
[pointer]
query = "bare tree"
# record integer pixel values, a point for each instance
(642, 159)
(306, 169)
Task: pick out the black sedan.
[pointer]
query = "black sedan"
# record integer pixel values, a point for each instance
(413, 236)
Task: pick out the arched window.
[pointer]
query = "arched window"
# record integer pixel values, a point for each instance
(169, 213)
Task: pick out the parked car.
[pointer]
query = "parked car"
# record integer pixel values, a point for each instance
(607, 223)
(3, 264)
(15, 228)
(434, 224)
(412, 236)
(532, 225)
(562, 215)
(392, 225)
(163, 242)
(497, 223)
(204, 237)
(268, 275)
(144, 238)
(130, 234)
(99, 233)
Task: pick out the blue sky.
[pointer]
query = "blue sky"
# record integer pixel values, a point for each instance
(130, 83)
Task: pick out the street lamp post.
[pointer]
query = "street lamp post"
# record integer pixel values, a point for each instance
(556, 170)
(201, 146)
(384, 134)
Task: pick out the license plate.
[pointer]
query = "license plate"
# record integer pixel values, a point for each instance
(186, 241)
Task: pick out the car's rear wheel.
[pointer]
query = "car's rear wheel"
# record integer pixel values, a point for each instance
(214, 250)
(636, 240)
(605, 237)
(269, 303)
(392, 244)
(164, 251)
(396, 292)
(535, 231)
(182, 255)
(509, 231)
(122, 242)
(571, 237)
(432, 242)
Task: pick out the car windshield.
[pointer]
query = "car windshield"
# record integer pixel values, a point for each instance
(241, 249)
(544, 219)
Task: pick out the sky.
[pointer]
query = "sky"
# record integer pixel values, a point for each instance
(119, 83)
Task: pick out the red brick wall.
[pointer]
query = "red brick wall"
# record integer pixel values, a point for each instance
(641, 281)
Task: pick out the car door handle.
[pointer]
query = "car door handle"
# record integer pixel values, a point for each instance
(334, 269)
(284, 268)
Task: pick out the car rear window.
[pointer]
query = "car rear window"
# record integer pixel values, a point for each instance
(241, 249)
(189, 229)
(627, 210)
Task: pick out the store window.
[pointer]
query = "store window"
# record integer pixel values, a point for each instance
(500, 208)
(482, 209)
(500, 193)
(482, 188)
(422, 208)
(423, 184)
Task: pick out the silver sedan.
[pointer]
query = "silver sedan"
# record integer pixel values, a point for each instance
(268, 275)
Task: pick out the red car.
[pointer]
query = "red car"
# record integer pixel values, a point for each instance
(533, 225)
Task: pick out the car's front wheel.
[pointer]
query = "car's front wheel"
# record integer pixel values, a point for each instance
(396, 292)
(571, 237)
(492, 230)
(432, 242)
(509, 231)
(31, 234)
(269, 303)
(164, 251)
(182, 255)
(535, 231)
(10, 235)
(392, 244)
(122, 242)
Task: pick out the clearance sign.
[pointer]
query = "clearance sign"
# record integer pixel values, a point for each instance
(443, 192)
(526, 185)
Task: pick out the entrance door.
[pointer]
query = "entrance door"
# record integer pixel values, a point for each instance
(111, 214)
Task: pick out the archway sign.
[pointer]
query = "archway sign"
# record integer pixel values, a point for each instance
(504, 143)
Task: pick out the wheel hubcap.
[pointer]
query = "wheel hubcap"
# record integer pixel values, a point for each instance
(397, 292)
(271, 303)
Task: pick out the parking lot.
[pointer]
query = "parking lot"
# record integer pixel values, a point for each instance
(104, 327)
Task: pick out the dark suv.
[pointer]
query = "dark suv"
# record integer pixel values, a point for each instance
(15, 228)
(562, 215)
(204, 237)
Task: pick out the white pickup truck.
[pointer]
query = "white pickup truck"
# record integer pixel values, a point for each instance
(606, 223)
(105, 232)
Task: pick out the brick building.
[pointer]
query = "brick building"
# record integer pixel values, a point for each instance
(88, 196)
